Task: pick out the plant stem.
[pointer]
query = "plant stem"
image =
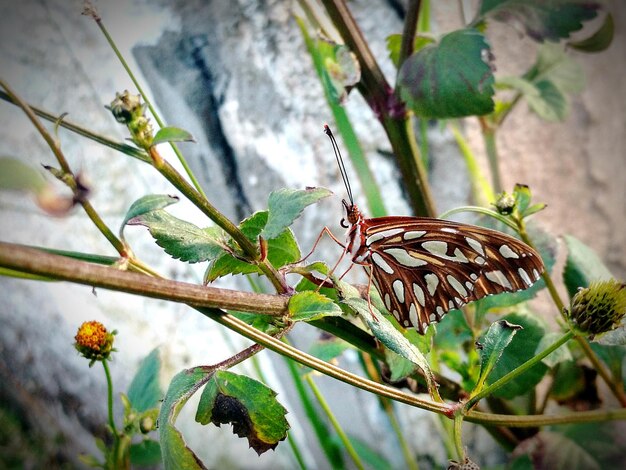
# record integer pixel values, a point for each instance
(107, 373)
(518, 370)
(333, 420)
(532, 421)
(409, 30)
(458, 437)
(157, 118)
(35, 261)
(489, 137)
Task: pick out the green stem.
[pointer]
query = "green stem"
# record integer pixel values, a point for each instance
(157, 118)
(518, 371)
(333, 420)
(458, 437)
(489, 137)
(107, 373)
(533, 421)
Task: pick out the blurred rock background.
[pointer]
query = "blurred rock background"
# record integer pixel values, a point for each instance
(238, 77)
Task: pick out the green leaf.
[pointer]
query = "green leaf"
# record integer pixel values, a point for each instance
(394, 42)
(281, 250)
(450, 79)
(523, 197)
(146, 453)
(582, 266)
(541, 19)
(599, 41)
(248, 405)
(340, 68)
(390, 337)
(144, 391)
(555, 357)
(16, 175)
(568, 381)
(145, 204)
(286, 205)
(543, 97)
(310, 305)
(328, 348)
(494, 342)
(521, 348)
(180, 239)
(172, 134)
(554, 65)
(175, 452)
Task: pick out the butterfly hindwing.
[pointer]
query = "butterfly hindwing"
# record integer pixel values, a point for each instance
(425, 267)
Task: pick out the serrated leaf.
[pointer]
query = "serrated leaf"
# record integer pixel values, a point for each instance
(286, 205)
(147, 203)
(541, 19)
(310, 305)
(451, 78)
(493, 344)
(181, 239)
(521, 348)
(391, 338)
(543, 97)
(172, 134)
(598, 41)
(248, 405)
(144, 391)
(394, 42)
(16, 175)
(582, 266)
(281, 250)
(146, 453)
(174, 451)
(555, 357)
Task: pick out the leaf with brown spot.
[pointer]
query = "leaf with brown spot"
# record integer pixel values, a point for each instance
(248, 405)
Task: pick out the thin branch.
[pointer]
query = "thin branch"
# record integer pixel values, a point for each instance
(409, 30)
(35, 261)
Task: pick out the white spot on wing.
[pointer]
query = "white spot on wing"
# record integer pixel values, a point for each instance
(381, 263)
(499, 278)
(419, 293)
(398, 289)
(480, 260)
(440, 312)
(413, 234)
(404, 258)
(456, 285)
(536, 274)
(432, 281)
(505, 250)
(525, 277)
(380, 235)
(449, 230)
(413, 316)
(476, 246)
(433, 317)
(387, 301)
(436, 247)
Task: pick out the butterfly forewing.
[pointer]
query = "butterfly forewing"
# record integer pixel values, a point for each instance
(425, 267)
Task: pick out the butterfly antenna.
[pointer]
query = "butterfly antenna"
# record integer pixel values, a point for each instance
(342, 168)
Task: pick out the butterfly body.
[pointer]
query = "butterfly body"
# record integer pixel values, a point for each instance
(424, 267)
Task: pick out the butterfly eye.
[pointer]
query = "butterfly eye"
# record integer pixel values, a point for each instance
(343, 223)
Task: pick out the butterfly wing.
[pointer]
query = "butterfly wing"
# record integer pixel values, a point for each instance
(425, 267)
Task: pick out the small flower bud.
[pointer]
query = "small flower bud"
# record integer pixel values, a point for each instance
(147, 425)
(93, 341)
(466, 465)
(599, 308)
(505, 203)
(126, 107)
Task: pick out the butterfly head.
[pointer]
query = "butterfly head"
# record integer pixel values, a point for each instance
(352, 214)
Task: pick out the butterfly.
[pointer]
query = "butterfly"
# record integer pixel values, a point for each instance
(424, 267)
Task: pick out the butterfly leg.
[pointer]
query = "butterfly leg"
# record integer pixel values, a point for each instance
(326, 231)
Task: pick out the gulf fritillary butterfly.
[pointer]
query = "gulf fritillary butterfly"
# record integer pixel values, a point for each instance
(423, 267)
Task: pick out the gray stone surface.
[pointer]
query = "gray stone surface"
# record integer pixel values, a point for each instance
(237, 75)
